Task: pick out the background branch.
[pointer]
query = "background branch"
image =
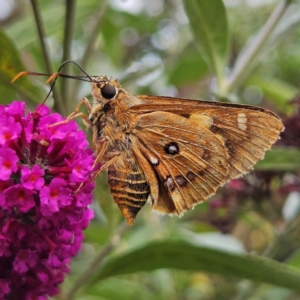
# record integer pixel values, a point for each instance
(58, 104)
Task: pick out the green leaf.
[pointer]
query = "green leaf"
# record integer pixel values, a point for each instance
(10, 66)
(185, 256)
(209, 24)
(109, 31)
(294, 260)
(185, 71)
(24, 32)
(127, 290)
(278, 91)
(280, 159)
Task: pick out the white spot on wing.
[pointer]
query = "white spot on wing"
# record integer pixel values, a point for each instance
(242, 121)
(153, 160)
(173, 149)
(170, 182)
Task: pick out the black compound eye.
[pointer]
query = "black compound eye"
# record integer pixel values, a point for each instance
(108, 91)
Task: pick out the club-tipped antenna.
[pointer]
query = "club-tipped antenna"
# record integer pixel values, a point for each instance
(58, 74)
(54, 76)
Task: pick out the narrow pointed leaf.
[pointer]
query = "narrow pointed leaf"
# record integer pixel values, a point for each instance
(276, 90)
(10, 66)
(209, 25)
(185, 256)
(280, 159)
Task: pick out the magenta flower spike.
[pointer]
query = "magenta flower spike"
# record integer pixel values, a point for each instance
(42, 212)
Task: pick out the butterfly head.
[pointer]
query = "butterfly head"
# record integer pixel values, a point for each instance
(104, 89)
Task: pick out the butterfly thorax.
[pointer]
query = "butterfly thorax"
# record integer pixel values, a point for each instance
(111, 118)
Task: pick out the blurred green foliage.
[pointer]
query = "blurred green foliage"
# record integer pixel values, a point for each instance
(234, 50)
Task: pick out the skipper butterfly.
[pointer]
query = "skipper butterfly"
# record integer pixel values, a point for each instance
(173, 152)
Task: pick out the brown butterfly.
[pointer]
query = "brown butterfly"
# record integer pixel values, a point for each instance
(172, 151)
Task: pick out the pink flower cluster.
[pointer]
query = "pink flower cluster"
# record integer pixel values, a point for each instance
(42, 212)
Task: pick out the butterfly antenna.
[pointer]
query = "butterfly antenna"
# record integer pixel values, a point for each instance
(54, 76)
(23, 73)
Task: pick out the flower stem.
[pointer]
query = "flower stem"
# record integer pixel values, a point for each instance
(59, 105)
(93, 35)
(289, 238)
(90, 44)
(67, 43)
(252, 54)
(96, 262)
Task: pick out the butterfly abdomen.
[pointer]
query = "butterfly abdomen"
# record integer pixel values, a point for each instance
(129, 190)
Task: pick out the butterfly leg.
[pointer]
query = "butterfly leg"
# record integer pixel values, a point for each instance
(114, 156)
(101, 146)
(76, 113)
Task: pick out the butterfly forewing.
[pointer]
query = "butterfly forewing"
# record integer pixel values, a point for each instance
(247, 131)
(247, 135)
